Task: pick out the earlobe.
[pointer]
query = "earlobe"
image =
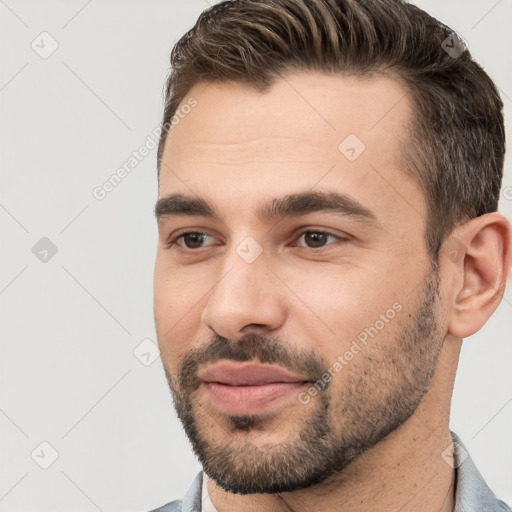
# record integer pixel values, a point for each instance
(485, 249)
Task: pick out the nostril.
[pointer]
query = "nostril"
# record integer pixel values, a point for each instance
(254, 327)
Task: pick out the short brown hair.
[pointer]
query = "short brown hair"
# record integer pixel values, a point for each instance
(456, 142)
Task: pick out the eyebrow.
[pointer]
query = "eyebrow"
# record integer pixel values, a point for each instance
(293, 205)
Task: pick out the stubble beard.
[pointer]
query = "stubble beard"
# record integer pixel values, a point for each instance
(379, 391)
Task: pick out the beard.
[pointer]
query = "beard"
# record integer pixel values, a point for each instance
(378, 390)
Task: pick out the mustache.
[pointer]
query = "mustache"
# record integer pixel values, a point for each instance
(251, 347)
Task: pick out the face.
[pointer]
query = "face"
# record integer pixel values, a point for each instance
(298, 315)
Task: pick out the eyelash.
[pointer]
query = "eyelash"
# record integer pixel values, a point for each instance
(174, 240)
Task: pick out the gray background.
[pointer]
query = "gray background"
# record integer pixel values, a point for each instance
(70, 324)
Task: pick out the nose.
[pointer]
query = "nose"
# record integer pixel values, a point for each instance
(247, 298)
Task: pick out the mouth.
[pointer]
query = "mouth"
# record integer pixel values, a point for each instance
(248, 388)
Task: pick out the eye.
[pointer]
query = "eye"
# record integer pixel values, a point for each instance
(313, 239)
(190, 240)
(316, 239)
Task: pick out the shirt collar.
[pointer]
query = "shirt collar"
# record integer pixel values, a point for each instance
(472, 494)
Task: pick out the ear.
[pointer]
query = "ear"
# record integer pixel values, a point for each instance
(477, 257)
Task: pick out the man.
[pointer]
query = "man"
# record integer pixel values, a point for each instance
(329, 173)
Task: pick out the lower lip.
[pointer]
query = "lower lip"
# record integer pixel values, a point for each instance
(249, 399)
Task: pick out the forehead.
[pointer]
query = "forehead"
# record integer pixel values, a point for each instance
(311, 106)
(308, 128)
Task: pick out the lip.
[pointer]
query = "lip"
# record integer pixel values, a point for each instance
(247, 374)
(248, 388)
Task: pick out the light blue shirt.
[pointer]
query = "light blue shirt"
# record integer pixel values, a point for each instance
(471, 492)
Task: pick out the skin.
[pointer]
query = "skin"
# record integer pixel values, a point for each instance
(238, 148)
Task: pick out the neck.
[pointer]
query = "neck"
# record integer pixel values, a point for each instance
(404, 472)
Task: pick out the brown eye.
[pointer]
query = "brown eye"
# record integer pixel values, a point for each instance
(190, 240)
(193, 240)
(316, 239)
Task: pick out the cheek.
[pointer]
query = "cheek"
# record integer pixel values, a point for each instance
(176, 306)
(342, 304)
(176, 291)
